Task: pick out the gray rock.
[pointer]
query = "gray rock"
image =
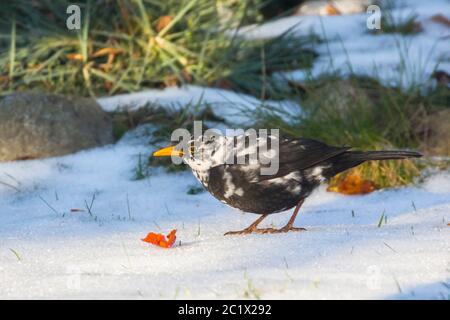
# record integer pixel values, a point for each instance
(436, 131)
(44, 125)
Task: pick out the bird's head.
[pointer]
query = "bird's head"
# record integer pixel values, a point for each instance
(200, 154)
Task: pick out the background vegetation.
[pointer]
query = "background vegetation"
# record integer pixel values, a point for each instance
(125, 46)
(130, 45)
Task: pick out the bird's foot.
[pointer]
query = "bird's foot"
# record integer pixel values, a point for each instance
(264, 231)
(241, 232)
(281, 230)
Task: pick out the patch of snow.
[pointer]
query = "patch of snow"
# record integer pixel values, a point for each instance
(321, 7)
(47, 251)
(235, 108)
(351, 48)
(51, 246)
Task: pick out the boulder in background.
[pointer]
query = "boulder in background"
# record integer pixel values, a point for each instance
(36, 125)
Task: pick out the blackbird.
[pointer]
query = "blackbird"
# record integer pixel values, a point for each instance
(302, 165)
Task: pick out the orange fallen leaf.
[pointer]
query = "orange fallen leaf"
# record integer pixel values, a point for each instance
(160, 240)
(163, 22)
(332, 10)
(75, 56)
(352, 184)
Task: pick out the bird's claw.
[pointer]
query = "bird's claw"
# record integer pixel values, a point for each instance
(264, 231)
(281, 230)
(240, 232)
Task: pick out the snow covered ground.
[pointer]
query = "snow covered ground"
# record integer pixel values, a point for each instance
(47, 251)
(234, 107)
(51, 247)
(350, 48)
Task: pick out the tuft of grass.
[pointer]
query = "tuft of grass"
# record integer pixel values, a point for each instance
(16, 254)
(141, 170)
(406, 26)
(138, 44)
(193, 190)
(383, 219)
(250, 291)
(49, 205)
(385, 174)
(12, 53)
(89, 206)
(396, 23)
(362, 113)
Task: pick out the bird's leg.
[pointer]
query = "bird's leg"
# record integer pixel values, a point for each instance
(289, 226)
(250, 229)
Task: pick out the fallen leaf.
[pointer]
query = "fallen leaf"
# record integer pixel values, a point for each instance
(106, 51)
(332, 10)
(441, 19)
(186, 75)
(223, 84)
(4, 79)
(352, 184)
(75, 56)
(171, 80)
(163, 22)
(160, 240)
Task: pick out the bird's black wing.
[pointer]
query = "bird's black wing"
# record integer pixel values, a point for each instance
(294, 155)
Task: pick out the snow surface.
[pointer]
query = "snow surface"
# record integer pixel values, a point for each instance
(394, 59)
(231, 106)
(49, 251)
(350, 48)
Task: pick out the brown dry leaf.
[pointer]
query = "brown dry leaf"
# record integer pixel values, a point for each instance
(163, 22)
(186, 75)
(441, 19)
(352, 184)
(108, 65)
(4, 79)
(223, 84)
(106, 51)
(107, 85)
(75, 56)
(171, 81)
(331, 10)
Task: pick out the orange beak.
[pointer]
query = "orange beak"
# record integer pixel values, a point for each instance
(167, 152)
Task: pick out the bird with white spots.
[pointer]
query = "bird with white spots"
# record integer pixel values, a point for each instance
(232, 168)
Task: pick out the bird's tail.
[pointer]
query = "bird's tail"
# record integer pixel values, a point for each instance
(350, 159)
(381, 155)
